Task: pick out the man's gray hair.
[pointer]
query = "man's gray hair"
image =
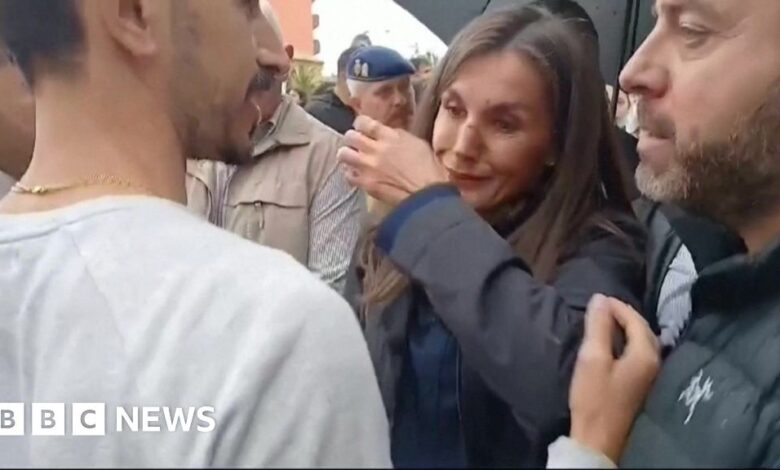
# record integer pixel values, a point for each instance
(270, 16)
(356, 87)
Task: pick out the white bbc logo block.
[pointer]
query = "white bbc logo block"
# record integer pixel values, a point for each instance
(89, 419)
(48, 419)
(11, 419)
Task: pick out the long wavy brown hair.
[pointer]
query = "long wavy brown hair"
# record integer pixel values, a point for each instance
(589, 169)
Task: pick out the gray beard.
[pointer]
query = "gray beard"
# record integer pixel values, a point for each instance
(735, 181)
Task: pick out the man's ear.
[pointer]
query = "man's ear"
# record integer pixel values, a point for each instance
(354, 103)
(128, 22)
(290, 50)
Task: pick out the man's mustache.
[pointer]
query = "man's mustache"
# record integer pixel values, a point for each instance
(656, 125)
(263, 81)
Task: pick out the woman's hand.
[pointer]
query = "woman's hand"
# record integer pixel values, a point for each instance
(389, 164)
(608, 392)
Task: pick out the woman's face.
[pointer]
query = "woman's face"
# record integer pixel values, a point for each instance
(494, 129)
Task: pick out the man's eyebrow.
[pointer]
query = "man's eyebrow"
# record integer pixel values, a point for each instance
(384, 88)
(702, 7)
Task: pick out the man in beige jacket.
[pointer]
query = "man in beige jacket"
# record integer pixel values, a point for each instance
(293, 196)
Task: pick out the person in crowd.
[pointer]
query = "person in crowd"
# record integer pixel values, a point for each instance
(296, 97)
(625, 112)
(423, 68)
(114, 295)
(509, 213)
(17, 123)
(708, 81)
(331, 108)
(293, 195)
(629, 121)
(380, 86)
(422, 76)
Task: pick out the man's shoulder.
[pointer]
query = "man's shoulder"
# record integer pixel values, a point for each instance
(320, 133)
(200, 274)
(164, 237)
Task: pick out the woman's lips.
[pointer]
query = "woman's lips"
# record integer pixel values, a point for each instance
(466, 180)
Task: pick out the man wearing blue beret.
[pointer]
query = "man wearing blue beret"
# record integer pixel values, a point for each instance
(379, 81)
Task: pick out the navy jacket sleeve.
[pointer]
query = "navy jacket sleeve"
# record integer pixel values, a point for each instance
(521, 335)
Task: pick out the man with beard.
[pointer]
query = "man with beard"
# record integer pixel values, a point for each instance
(293, 195)
(17, 116)
(708, 78)
(331, 108)
(116, 301)
(380, 86)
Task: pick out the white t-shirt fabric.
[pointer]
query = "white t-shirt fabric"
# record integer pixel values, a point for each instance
(134, 302)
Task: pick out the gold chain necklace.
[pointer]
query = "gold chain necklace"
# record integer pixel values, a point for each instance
(97, 180)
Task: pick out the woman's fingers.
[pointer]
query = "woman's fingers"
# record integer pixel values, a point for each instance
(639, 335)
(374, 129)
(351, 158)
(599, 328)
(359, 141)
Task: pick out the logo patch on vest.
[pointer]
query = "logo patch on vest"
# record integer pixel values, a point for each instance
(695, 393)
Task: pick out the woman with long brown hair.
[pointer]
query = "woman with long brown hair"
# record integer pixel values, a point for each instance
(505, 215)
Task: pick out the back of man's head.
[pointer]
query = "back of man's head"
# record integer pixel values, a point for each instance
(270, 17)
(164, 58)
(42, 34)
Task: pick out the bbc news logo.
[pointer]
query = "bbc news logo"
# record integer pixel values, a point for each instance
(90, 419)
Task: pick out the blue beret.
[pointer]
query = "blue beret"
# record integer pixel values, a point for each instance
(376, 64)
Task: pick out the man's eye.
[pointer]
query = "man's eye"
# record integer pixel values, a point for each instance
(693, 36)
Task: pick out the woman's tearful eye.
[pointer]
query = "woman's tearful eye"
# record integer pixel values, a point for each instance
(506, 126)
(455, 112)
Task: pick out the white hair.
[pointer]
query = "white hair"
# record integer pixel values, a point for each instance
(273, 20)
(356, 87)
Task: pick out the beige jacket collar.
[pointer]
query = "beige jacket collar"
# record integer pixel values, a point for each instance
(289, 126)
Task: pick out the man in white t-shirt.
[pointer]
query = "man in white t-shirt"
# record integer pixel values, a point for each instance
(132, 333)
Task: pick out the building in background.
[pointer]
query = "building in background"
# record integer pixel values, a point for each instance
(298, 23)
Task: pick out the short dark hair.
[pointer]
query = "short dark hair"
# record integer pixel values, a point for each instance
(41, 31)
(344, 59)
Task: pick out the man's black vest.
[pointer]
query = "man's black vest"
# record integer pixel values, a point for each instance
(716, 402)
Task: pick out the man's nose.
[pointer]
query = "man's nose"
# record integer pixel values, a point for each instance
(645, 74)
(278, 63)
